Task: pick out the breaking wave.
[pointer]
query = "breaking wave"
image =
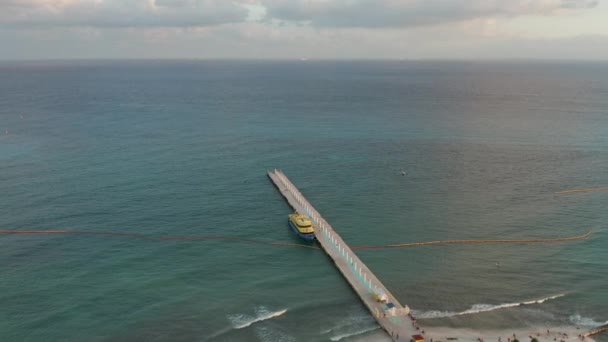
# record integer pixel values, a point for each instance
(262, 314)
(354, 333)
(479, 308)
(586, 322)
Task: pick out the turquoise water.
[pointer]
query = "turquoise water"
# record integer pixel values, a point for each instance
(181, 148)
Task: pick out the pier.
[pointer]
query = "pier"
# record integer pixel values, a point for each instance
(391, 315)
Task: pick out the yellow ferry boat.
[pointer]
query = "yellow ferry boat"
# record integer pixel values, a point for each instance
(302, 226)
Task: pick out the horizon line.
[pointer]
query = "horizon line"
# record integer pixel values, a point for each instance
(303, 59)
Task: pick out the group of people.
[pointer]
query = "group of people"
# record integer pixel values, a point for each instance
(562, 337)
(414, 323)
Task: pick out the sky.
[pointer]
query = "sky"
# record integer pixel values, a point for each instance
(311, 29)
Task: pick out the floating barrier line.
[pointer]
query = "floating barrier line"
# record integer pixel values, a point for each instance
(581, 190)
(293, 244)
(441, 242)
(278, 243)
(149, 237)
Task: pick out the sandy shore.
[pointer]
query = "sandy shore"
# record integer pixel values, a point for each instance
(556, 334)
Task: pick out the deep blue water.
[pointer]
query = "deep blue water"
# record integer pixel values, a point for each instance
(180, 148)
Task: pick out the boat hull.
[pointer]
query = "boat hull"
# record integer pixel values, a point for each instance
(307, 237)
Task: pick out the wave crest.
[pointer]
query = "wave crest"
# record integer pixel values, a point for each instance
(354, 333)
(479, 308)
(262, 314)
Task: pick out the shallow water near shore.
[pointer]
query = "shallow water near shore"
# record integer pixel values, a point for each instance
(182, 148)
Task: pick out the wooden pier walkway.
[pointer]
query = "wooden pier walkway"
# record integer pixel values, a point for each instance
(394, 318)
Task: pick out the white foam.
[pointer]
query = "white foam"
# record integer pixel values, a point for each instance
(479, 308)
(262, 314)
(353, 333)
(585, 321)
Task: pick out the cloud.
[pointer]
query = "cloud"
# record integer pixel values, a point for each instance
(254, 40)
(317, 13)
(302, 28)
(407, 13)
(121, 13)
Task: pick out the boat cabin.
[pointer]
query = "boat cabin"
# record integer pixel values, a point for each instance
(417, 338)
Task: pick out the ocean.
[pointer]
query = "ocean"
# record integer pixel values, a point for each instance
(181, 148)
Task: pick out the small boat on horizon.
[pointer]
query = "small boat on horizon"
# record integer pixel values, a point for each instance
(302, 226)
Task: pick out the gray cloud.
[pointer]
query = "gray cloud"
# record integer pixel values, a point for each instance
(257, 40)
(299, 28)
(579, 4)
(404, 13)
(318, 13)
(120, 13)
